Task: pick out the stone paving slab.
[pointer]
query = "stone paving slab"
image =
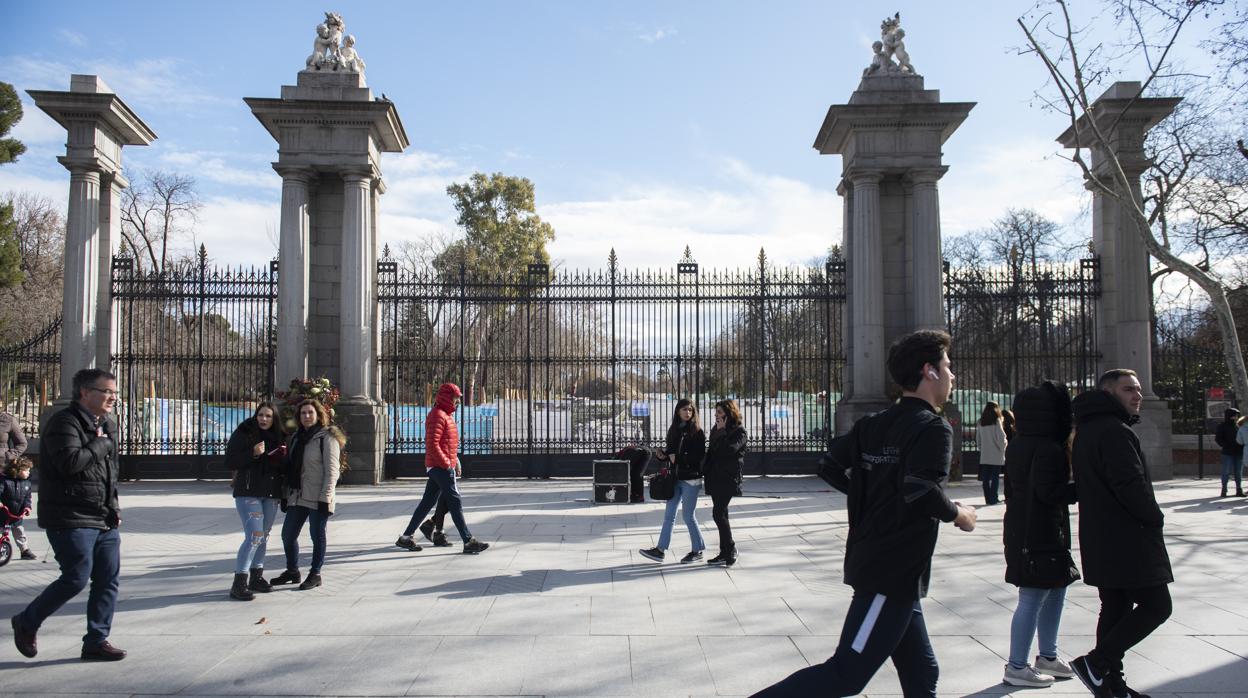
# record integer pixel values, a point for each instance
(562, 604)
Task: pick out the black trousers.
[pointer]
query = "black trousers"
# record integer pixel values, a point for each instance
(1127, 617)
(439, 514)
(991, 475)
(876, 628)
(719, 512)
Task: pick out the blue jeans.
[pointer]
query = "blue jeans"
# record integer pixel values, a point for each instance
(876, 628)
(296, 516)
(85, 555)
(1039, 612)
(687, 498)
(441, 483)
(257, 514)
(991, 475)
(1232, 467)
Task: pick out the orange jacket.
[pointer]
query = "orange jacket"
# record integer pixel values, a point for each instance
(441, 436)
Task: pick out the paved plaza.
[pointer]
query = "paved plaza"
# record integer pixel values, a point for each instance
(563, 605)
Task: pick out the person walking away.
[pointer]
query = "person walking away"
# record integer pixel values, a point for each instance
(992, 444)
(16, 497)
(81, 513)
(891, 466)
(684, 450)
(12, 440)
(1038, 490)
(1232, 450)
(1120, 529)
(254, 454)
(313, 464)
(725, 455)
(442, 468)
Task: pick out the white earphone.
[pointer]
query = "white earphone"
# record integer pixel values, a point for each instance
(931, 373)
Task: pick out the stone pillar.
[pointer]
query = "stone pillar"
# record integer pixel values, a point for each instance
(292, 276)
(98, 124)
(928, 263)
(866, 298)
(889, 137)
(79, 302)
(331, 127)
(1123, 322)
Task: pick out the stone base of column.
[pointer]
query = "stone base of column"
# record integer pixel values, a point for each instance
(852, 409)
(1155, 430)
(364, 422)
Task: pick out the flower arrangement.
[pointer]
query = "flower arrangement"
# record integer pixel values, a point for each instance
(319, 389)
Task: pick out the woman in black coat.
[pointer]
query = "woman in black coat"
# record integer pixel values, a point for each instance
(1038, 491)
(721, 472)
(684, 451)
(253, 455)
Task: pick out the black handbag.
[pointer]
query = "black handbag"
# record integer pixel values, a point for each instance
(663, 485)
(1051, 566)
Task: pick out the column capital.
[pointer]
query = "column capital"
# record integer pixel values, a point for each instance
(926, 176)
(294, 172)
(859, 177)
(79, 167)
(358, 173)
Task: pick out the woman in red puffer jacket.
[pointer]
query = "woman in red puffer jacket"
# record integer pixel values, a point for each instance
(442, 467)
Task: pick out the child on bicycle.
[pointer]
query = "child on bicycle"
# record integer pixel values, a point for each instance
(15, 497)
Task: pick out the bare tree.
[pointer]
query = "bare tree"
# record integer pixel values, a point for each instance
(1076, 65)
(28, 307)
(158, 211)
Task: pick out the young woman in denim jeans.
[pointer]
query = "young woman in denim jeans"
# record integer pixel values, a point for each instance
(253, 455)
(1038, 490)
(312, 469)
(685, 447)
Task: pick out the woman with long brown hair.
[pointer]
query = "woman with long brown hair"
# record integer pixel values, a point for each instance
(992, 443)
(253, 456)
(722, 474)
(685, 447)
(312, 468)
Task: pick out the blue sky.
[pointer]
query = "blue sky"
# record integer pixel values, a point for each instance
(644, 125)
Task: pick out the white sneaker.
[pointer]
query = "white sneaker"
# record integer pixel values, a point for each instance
(1055, 667)
(1027, 676)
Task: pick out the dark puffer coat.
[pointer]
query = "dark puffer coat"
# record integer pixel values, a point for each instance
(1120, 523)
(688, 445)
(724, 458)
(254, 476)
(1037, 484)
(78, 472)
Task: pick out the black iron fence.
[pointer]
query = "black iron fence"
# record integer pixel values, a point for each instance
(30, 374)
(584, 362)
(1185, 366)
(1017, 325)
(195, 353)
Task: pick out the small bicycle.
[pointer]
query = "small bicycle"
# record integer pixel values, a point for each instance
(6, 534)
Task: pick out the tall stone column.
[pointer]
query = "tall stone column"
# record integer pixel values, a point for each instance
(866, 296)
(79, 302)
(98, 125)
(292, 275)
(928, 264)
(889, 136)
(355, 338)
(1123, 322)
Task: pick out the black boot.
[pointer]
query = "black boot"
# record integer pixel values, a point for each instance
(287, 577)
(257, 582)
(240, 591)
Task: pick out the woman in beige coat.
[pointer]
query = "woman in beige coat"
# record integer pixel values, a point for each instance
(312, 469)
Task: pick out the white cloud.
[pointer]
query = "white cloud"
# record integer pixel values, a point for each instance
(657, 35)
(37, 127)
(154, 82)
(239, 231)
(216, 167)
(72, 38)
(57, 190)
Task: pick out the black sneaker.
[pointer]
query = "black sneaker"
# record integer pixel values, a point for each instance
(655, 554)
(1097, 683)
(718, 559)
(426, 529)
(287, 577)
(1121, 689)
(313, 581)
(691, 557)
(474, 546)
(29, 555)
(407, 543)
(440, 541)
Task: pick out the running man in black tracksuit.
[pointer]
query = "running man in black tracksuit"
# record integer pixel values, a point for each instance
(891, 465)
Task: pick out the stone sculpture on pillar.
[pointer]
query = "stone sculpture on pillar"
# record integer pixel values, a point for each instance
(889, 136)
(1123, 317)
(99, 125)
(331, 133)
(334, 49)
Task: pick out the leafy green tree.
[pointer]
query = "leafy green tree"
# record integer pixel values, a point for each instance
(10, 148)
(502, 232)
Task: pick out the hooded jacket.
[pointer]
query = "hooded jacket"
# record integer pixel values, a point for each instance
(441, 435)
(1120, 524)
(1225, 435)
(1037, 484)
(725, 455)
(254, 476)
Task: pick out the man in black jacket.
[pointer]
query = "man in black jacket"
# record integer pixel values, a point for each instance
(1120, 539)
(1232, 450)
(892, 466)
(79, 510)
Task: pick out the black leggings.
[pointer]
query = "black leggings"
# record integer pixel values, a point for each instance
(719, 512)
(1127, 617)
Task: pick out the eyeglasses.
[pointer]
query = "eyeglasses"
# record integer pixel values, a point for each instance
(106, 391)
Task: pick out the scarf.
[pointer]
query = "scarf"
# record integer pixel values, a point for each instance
(294, 460)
